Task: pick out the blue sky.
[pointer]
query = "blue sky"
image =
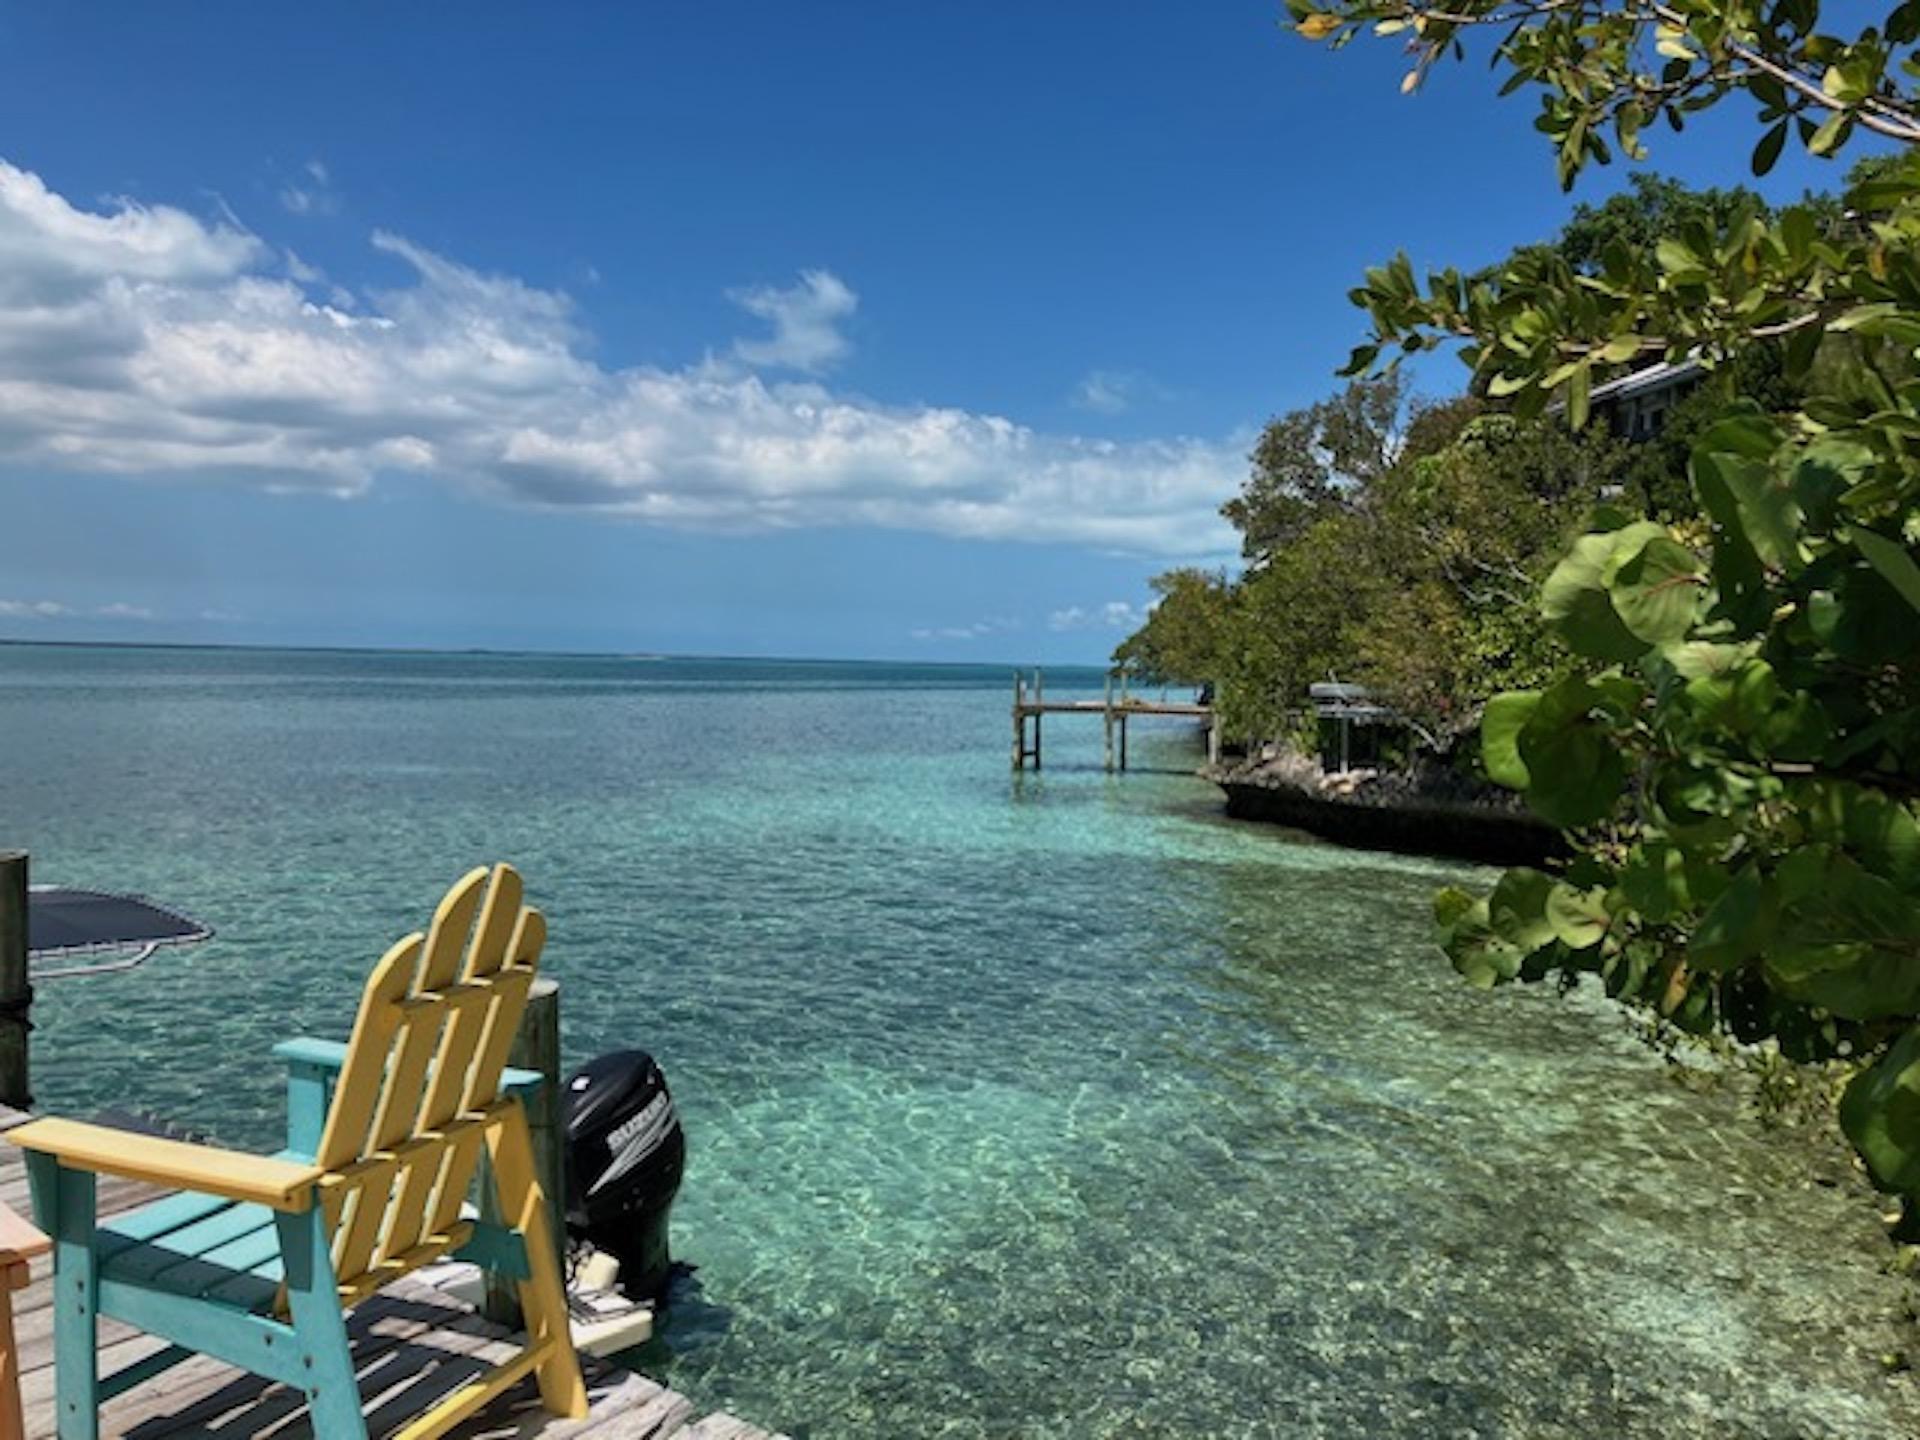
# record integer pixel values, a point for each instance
(924, 331)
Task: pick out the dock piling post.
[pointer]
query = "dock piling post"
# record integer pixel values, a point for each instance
(16, 993)
(536, 1046)
(1106, 723)
(1123, 740)
(1019, 722)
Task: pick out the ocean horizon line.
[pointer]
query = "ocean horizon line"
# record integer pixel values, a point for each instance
(490, 652)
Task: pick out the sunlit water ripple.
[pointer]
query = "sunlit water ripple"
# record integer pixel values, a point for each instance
(1047, 1107)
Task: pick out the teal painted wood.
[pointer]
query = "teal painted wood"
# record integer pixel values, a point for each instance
(128, 1376)
(75, 1298)
(155, 1221)
(313, 1298)
(235, 1337)
(497, 1249)
(43, 1184)
(174, 1262)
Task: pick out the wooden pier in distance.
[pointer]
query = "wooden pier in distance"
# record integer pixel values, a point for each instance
(1115, 708)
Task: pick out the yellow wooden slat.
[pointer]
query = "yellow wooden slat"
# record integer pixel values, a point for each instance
(411, 1052)
(459, 1041)
(385, 1272)
(498, 923)
(452, 924)
(204, 1169)
(368, 1192)
(463, 1157)
(350, 1117)
(543, 1298)
(472, 1397)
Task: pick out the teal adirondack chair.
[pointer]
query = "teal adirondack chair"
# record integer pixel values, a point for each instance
(256, 1260)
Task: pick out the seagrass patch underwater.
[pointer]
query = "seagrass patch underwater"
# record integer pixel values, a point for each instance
(1042, 1106)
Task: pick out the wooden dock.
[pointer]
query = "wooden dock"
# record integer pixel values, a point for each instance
(1115, 708)
(413, 1345)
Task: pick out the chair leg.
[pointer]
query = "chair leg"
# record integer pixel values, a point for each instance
(543, 1296)
(313, 1302)
(76, 1292)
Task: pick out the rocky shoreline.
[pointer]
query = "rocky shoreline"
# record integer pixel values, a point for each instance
(1423, 810)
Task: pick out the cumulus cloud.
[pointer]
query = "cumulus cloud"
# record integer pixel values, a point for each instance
(806, 322)
(1114, 615)
(142, 340)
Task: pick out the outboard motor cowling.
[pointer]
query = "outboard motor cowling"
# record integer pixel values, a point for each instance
(625, 1154)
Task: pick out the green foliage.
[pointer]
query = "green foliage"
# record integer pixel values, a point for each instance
(1186, 631)
(1311, 464)
(1419, 581)
(1735, 749)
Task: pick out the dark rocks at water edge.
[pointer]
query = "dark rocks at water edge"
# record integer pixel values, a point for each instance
(1422, 809)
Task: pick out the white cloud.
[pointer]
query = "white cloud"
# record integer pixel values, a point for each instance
(312, 193)
(1114, 615)
(141, 340)
(1104, 392)
(57, 610)
(806, 322)
(33, 610)
(979, 630)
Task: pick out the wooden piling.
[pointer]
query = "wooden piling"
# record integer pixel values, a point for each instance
(1106, 723)
(536, 1046)
(16, 993)
(1019, 721)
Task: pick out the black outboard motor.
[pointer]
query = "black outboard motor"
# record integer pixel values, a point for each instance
(625, 1152)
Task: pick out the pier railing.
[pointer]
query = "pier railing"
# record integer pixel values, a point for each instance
(1116, 706)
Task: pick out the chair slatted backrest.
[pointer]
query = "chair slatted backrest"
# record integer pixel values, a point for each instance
(421, 1079)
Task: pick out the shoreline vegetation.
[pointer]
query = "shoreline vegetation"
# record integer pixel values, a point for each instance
(1656, 569)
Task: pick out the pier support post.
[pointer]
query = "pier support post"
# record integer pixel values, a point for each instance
(1019, 722)
(1213, 740)
(536, 1046)
(1106, 724)
(16, 994)
(1123, 740)
(1039, 716)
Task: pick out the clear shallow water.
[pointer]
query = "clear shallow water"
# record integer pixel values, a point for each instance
(1047, 1107)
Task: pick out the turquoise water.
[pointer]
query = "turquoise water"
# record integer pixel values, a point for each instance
(1057, 1106)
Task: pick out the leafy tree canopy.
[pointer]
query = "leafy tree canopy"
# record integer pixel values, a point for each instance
(1734, 749)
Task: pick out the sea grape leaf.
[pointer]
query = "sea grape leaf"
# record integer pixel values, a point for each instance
(1654, 881)
(1880, 1111)
(1578, 918)
(1575, 598)
(1577, 770)
(1500, 725)
(1737, 924)
(1656, 592)
(1517, 909)
(1893, 562)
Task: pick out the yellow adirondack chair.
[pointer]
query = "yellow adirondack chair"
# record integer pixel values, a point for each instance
(257, 1260)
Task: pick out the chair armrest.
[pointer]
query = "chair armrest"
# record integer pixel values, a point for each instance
(204, 1169)
(304, 1050)
(333, 1055)
(19, 1241)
